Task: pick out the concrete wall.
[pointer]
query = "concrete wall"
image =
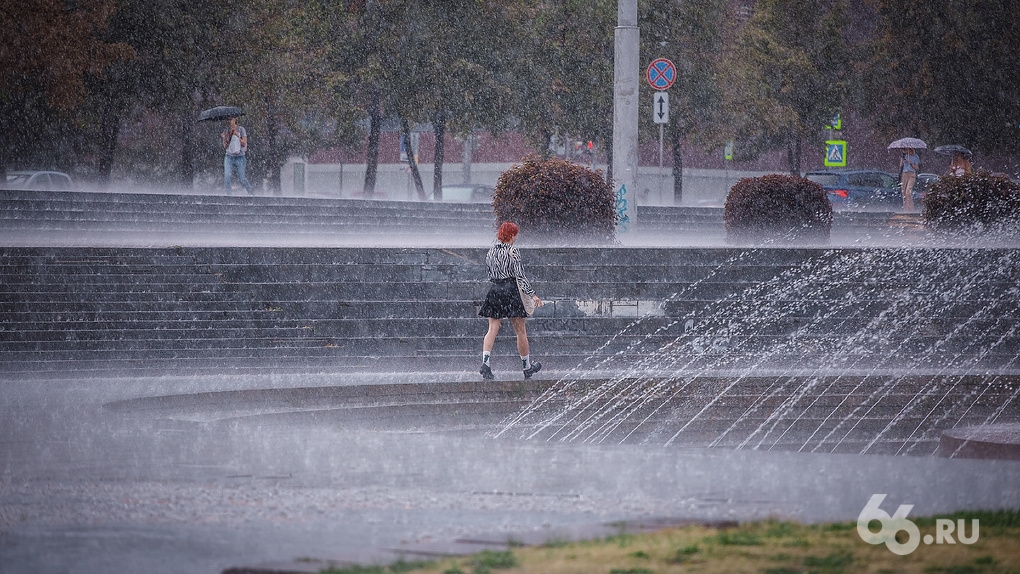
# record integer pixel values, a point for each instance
(702, 187)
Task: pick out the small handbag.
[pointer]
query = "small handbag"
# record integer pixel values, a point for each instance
(234, 147)
(529, 303)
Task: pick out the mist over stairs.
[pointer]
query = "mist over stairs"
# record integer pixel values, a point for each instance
(97, 218)
(762, 348)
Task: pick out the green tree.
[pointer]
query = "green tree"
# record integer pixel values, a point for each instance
(786, 76)
(359, 51)
(452, 71)
(182, 49)
(947, 71)
(199, 43)
(277, 76)
(690, 35)
(48, 50)
(563, 75)
(442, 64)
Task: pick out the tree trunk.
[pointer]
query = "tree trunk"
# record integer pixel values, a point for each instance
(678, 170)
(547, 139)
(271, 151)
(109, 131)
(467, 156)
(3, 155)
(186, 167)
(793, 155)
(797, 156)
(439, 126)
(405, 128)
(609, 166)
(372, 161)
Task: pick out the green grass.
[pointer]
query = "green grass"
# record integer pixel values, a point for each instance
(765, 547)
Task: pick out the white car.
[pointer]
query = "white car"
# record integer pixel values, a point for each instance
(41, 180)
(467, 193)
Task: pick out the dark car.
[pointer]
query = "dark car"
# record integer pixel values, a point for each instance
(924, 183)
(42, 180)
(861, 188)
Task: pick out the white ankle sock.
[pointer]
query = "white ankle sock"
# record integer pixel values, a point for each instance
(526, 361)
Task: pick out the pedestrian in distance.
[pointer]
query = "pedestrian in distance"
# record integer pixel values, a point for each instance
(509, 297)
(235, 144)
(910, 164)
(960, 166)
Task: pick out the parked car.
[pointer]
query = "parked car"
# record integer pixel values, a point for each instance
(468, 193)
(41, 180)
(862, 188)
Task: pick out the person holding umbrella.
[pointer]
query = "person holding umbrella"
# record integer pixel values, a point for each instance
(960, 166)
(910, 163)
(235, 143)
(961, 159)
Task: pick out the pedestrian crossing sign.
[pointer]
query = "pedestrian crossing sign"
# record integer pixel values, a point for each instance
(835, 153)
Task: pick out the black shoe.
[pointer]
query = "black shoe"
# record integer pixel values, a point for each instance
(535, 367)
(486, 372)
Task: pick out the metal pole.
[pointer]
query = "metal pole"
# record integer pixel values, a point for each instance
(660, 147)
(626, 69)
(661, 178)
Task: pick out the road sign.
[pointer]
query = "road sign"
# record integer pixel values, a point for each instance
(661, 74)
(660, 108)
(835, 153)
(728, 151)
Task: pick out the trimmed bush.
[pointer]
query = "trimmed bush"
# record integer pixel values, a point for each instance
(556, 199)
(777, 207)
(974, 202)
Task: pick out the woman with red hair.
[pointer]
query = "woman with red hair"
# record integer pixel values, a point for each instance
(506, 299)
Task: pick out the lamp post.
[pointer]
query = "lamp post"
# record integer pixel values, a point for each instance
(626, 69)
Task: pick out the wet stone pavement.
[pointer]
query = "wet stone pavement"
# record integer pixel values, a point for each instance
(236, 416)
(96, 480)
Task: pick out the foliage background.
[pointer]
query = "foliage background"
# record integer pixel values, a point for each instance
(110, 88)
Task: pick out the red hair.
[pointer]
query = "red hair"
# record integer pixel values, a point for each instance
(507, 232)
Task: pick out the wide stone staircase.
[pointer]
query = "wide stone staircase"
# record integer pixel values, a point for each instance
(404, 308)
(103, 215)
(44, 211)
(828, 350)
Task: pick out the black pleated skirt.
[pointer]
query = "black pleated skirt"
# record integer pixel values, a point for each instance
(503, 301)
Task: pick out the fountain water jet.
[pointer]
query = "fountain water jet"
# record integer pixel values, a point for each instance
(861, 349)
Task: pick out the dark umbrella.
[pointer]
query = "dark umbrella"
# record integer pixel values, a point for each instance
(220, 113)
(953, 149)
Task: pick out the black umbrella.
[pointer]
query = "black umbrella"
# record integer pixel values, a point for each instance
(952, 149)
(220, 113)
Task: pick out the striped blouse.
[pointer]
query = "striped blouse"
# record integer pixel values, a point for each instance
(504, 262)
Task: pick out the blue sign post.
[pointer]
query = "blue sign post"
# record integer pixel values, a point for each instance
(835, 153)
